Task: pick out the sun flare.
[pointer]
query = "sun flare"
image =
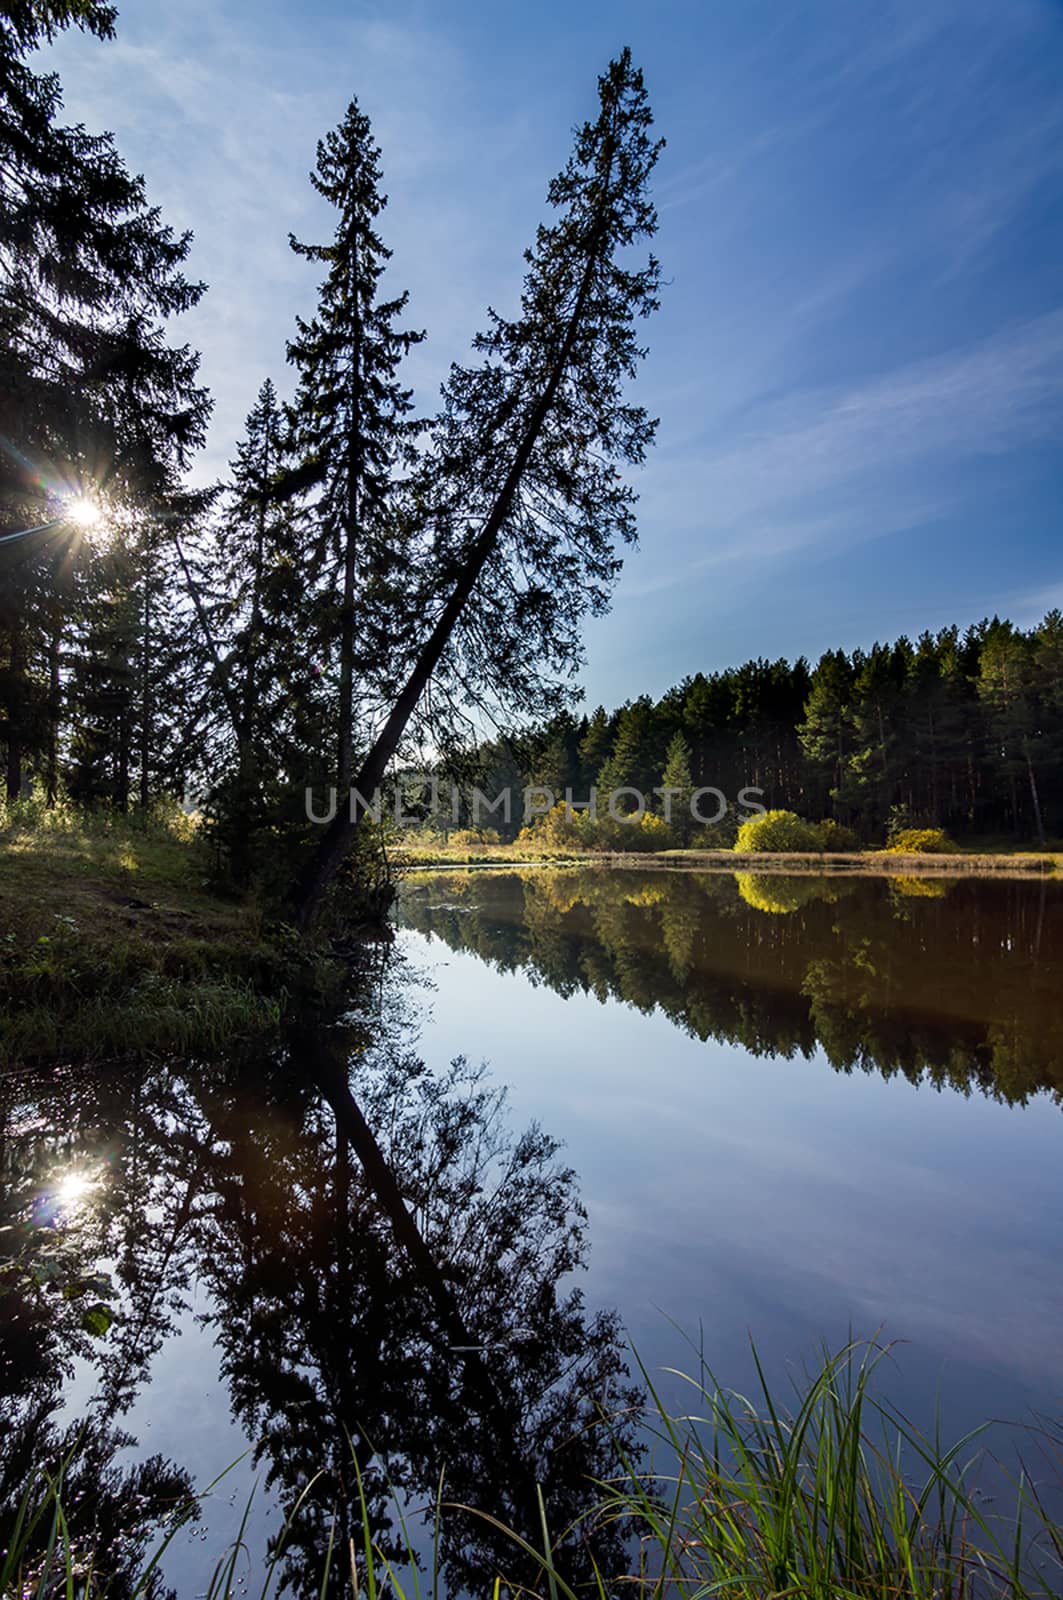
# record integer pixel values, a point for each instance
(72, 1188)
(86, 513)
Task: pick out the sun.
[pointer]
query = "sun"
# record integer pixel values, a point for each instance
(72, 1188)
(86, 513)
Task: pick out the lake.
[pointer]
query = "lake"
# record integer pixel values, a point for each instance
(786, 1109)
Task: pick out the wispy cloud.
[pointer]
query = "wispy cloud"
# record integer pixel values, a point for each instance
(852, 462)
(222, 109)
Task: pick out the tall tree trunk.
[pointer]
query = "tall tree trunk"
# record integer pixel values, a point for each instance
(1034, 796)
(231, 703)
(345, 753)
(145, 697)
(15, 709)
(341, 831)
(54, 711)
(122, 761)
(935, 806)
(246, 723)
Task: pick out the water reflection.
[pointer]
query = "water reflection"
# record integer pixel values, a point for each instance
(948, 982)
(390, 1283)
(387, 1271)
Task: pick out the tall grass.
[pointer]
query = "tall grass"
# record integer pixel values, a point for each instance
(832, 1497)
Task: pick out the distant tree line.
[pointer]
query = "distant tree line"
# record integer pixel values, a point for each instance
(961, 730)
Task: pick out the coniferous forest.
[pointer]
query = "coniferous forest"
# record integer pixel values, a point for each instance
(367, 577)
(325, 1054)
(961, 730)
(370, 581)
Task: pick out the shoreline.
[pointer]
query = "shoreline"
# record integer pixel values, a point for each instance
(871, 863)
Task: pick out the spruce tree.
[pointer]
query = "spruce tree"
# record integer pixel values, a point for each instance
(633, 762)
(677, 778)
(826, 732)
(527, 483)
(595, 746)
(93, 398)
(351, 426)
(260, 614)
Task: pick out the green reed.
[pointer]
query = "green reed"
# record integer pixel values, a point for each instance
(833, 1495)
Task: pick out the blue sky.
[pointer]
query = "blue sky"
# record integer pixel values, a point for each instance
(858, 365)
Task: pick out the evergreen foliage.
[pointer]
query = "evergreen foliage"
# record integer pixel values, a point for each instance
(372, 580)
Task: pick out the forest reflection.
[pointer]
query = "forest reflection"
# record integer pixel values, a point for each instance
(390, 1273)
(953, 982)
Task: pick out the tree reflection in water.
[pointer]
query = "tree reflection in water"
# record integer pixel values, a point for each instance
(391, 1289)
(949, 982)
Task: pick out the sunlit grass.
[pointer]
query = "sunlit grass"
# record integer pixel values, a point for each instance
(111, 940)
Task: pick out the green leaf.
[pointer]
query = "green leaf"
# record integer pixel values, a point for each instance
(96, 1320)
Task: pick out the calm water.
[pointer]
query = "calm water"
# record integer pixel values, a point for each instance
(787, 1108)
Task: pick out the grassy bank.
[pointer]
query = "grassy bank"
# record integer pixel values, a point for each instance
(825, 1494)
(111, 939)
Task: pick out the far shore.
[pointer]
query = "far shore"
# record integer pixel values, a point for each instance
(878, 863)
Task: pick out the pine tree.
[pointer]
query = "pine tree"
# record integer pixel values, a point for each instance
(677, 777)
(350, 417)
(528, 489)
(826, 732)
(1006, 688)
(633, 762)
(93, 399)
(878, 758)
(595, 747)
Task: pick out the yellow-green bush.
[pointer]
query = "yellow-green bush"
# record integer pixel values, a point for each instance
(557, 830)
(921, 842)
(778, 830)
(652, 833)
(470, 838)
(561, 829)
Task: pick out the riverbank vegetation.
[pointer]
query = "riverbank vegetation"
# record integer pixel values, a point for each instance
(112, 939)
(827, 1493)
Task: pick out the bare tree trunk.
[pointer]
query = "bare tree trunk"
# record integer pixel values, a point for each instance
(145, 699)
(14, 740)
(54, 708)
(1034, 796)
(341, 831)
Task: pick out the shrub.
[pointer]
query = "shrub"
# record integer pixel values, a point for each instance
(561, 830)
(716, 835)
(921, 842)
(474, 838)
(836, 836)
(652, 833)
(898, 820)
(778, 830)
(557, 830)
